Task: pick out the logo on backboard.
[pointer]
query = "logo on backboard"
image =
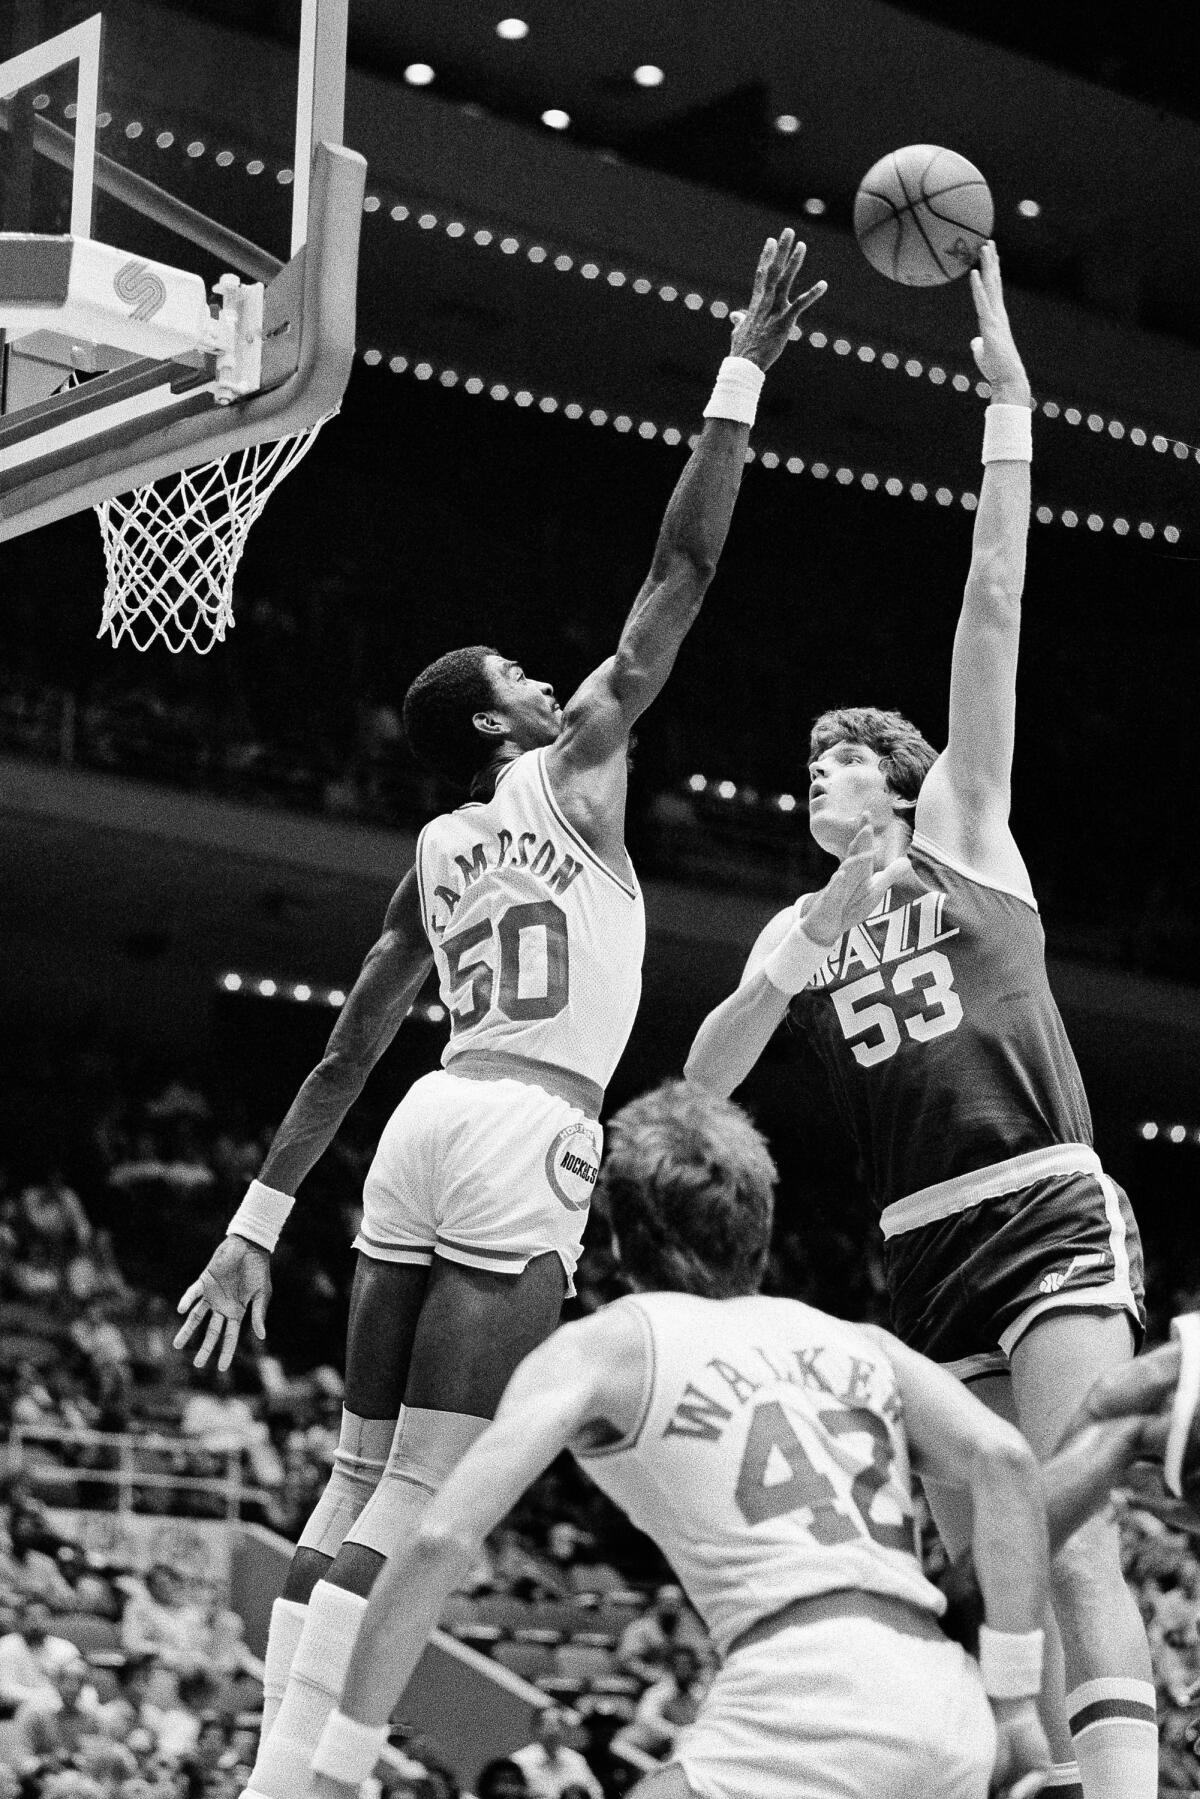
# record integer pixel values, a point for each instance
(140, 288)
(572, 1164)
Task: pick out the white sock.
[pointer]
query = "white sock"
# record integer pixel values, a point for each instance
(1115, 1734)
(284, 1766)
(287, 1621)
(1063, 1781)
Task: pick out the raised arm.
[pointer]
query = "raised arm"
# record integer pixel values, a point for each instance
(599, 716)
(237, 1277)
(964, 804)
(787, 953)
(585, 1372)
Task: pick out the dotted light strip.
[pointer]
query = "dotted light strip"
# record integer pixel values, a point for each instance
(305, 993)
(747, 796)
(1151, 1131)
(591, 269)
(652, 430)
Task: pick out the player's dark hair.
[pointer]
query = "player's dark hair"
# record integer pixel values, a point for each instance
(439, 708)
(904, 755)
(688, 1184)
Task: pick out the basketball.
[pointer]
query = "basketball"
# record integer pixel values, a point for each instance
(921, 213)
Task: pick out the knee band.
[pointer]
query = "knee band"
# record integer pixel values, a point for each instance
(358, 1465)
(428, 1446)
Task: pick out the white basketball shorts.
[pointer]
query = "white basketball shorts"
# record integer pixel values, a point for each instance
(487, 1173)
(843, 1708)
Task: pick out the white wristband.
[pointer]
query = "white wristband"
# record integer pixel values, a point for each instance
(347, 1750)
(261, 1215)
(1007, 433)
(1186, 1331)
(1011, 1664)
(792, 964)
(735, 396)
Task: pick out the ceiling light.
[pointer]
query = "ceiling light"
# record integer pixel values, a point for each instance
(418, 74)
(556, 119)
(647, 74)
(788, 124)
(1029, 209)
(814, 208)
(512, 30)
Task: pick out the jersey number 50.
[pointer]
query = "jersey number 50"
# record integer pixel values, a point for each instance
(516, 931)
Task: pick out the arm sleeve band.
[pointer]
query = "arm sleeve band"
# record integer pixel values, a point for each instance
(1007, 434)
(792, 964)
(735, 396)
(1011, 1664)
(261, 1216)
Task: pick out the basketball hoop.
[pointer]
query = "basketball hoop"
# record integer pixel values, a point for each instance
(173, 548)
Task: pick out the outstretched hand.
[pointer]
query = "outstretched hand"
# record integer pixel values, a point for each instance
(761, 331)
(852, 892)
(236, 1280)
(995, 351)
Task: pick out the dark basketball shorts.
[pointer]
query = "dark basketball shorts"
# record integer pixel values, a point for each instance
(966, 1286)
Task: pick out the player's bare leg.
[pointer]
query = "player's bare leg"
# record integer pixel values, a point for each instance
(1109, 1680)
(385, 1303)
(473, 1329)
(951, 1510)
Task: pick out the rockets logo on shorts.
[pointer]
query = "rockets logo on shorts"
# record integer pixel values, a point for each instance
(572, 1164)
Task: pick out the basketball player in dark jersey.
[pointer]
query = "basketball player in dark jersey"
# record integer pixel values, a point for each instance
(1010, 1256)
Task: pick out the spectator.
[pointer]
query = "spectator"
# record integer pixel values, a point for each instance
(162, 1711)
(571, 1552)
(52, 1213)
(223, 1423)
(647, 1642)
(1178, 1766)
(25, 1566)
(31, 1659)
(549, 1765)
(667, 1707)
(501, 1779)
(159, 1622)
(58, 1723)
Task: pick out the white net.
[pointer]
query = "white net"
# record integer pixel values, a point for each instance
(173, 548)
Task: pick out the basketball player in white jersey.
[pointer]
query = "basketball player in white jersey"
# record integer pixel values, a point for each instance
(768, 1450)
(474, 1207)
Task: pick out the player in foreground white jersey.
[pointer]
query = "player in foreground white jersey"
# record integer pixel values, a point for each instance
(474, 1207)
(768, 1449)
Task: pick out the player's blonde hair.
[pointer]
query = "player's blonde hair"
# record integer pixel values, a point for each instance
(687, 1181)
(904, 755)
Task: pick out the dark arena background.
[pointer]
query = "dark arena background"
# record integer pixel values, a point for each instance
(196, 852)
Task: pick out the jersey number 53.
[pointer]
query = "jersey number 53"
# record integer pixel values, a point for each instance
(870, 1025)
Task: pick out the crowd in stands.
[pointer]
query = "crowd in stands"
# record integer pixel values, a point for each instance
(122, 1679)
(715, 831)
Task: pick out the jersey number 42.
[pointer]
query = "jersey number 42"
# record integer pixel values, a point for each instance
(778, 1475)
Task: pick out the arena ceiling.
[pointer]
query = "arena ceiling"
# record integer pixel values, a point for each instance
(476, 206)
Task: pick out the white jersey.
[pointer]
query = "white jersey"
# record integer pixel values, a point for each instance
(538, 944)
(769, 1462)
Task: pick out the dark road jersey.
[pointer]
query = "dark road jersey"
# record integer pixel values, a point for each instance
(939, 1033)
